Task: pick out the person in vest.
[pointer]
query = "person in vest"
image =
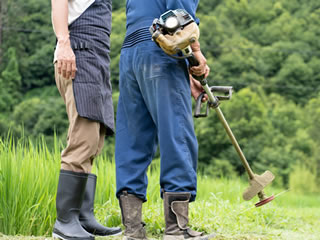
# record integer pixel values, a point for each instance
(81, 61)
(155, 108)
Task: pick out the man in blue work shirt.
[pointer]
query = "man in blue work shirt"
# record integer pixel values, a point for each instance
(155, 108)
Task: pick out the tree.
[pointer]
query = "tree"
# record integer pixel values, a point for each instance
(10, 83)
(45, 116)
(246, 116)
(118, 4)
(29, 30)
(311, 121)
(3, 9)
(1, 16)
(298, 75)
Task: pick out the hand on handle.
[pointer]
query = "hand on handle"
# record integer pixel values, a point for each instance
(199, 68)
(196, 89)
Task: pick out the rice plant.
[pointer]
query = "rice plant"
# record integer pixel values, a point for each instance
(29, 174)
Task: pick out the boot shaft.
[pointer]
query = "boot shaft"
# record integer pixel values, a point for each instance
(87, 218)
(87, 207)
(171, 200)
(176, 211)
(131, 211)
(70, 194)
(69, 199)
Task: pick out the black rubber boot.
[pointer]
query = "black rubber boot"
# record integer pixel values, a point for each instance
(87, 219)
(176, 211)
(70, 194)
(131, 211)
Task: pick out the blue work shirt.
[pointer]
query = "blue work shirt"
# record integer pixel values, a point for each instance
(141, 13)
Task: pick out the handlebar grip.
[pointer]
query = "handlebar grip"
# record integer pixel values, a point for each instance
(194, 62)
(197, 109)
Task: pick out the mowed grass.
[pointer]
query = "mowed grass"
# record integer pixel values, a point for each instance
(29, 176)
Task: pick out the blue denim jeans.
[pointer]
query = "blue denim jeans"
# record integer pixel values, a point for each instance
(154, 109)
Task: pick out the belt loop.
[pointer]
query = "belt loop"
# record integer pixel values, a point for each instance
(81, 46)
(75, 46)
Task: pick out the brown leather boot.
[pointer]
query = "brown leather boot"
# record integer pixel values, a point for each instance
(176, 211)
(131, 211)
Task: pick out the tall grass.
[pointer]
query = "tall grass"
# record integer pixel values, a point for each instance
(29, 176)
(28, 179)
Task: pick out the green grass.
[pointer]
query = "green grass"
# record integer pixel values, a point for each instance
(28, 180)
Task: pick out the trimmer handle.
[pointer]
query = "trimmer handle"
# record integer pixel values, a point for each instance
(197, 109)
(194, 62)
(222, 89)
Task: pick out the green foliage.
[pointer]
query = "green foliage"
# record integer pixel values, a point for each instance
(28, 182)
(312, 123)
(206, 6)
(270, 130)
(118, 4)
(29, 30)
(302, 180)
(219, 168)
(117, 37)
(299, 75)
(267, 50)
(270, 43)
(246, 122)
(27, 204)
(41, 116)
(39, 73)
(10, 83)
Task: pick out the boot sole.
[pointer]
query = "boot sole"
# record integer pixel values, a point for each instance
(132, 238)
(181, 237)
(116, 234)
(110, 235)
(57, 236)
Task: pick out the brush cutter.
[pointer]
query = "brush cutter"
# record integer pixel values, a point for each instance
(174, 31)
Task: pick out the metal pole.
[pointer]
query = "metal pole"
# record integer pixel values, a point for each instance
(229, 132)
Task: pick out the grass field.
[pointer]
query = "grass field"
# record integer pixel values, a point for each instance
(29, 174)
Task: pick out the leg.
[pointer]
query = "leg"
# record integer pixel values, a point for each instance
(85, 137)
(135, 135)
(165, 86)
(135, 147)
(178, 143)
(85, 142)
(76, 164)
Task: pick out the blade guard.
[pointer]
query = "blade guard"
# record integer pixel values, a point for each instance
(181, 39)
(257, 184)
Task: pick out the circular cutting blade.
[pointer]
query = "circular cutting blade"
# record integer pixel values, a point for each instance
(265, 201)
